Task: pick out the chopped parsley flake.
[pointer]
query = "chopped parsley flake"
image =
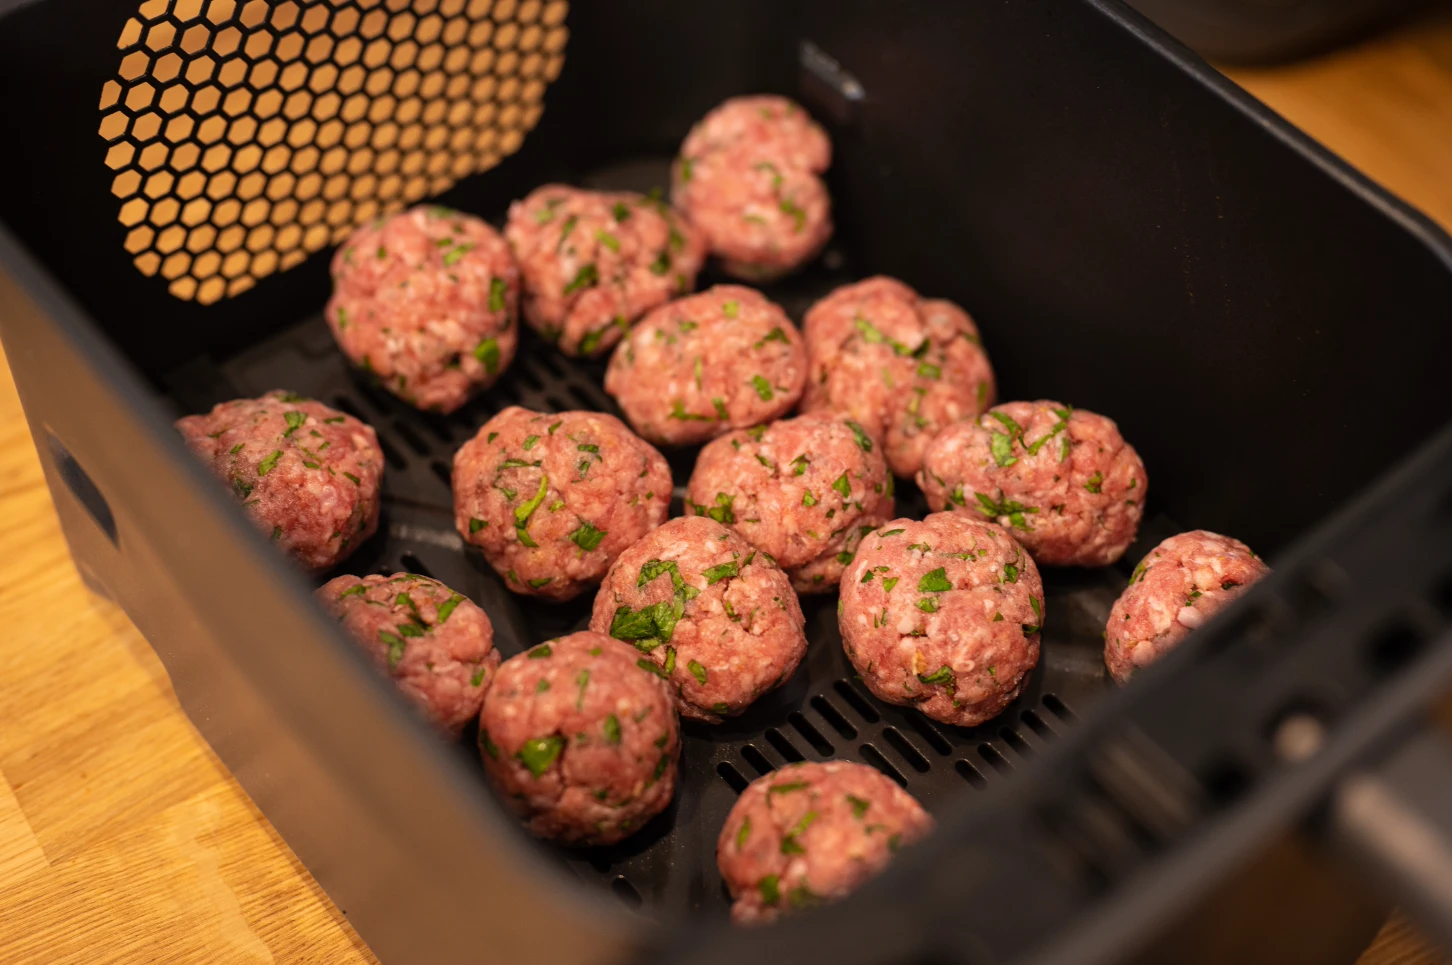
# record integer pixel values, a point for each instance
(538, 753)
(724, 571)
(586, 277)
(935, 581)
(487, 352)
(586, 536)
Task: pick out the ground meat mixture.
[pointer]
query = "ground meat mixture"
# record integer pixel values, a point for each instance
(1181, 584)
(580, 737)
(307, 474)
(943, 615)
(748, 176)
(552, 500)
(900, 365)
(701, 366)
(1063, 479)
(437, 645)
(714, 617)
(812, 833)
(804, 490)
(427, 301)
(594, 262)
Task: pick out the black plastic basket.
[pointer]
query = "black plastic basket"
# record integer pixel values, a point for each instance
(1133, 234)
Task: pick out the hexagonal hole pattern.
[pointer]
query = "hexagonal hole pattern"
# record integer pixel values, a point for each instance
(244, 135)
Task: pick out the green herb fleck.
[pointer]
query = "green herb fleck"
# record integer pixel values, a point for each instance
(586, 536)
(586, 277)
(770, 889)
(538, 753)
(724, 571)
(487, 352)
(396, 646)
(935, 581)
(763, 388)
(447, 608)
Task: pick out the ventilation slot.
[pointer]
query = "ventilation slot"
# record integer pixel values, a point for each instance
(394, 457)
(834, 717)
(757, 760)
(970, 774)
(442, 470)
(856, 701)
(1225, 781)
(873, 756)
(413, 564)
(1012, 738)
(732, 776)
(597, 861)
(810, 734)
(1058, 708)
(783, 746)
(1037, 724)
(931, 734)
(411, 438)
(1395, 646)
(441, 429)
(993, 759)
(904, 747)
(344, 404)
(626, 892)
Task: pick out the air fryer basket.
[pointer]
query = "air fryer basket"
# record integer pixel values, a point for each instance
(1133, 235)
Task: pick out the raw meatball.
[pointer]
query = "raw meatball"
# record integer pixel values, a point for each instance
(716, 618)
(581, 741)
(943, 615)
(1066, 481)
(804, 490)
(748, 177)
(704, 365)
(553, 499)
(812, 833)
(902, 366)
(307, 474)
(437, 645)
(1181, 584)
(427, 301)
(594, 262)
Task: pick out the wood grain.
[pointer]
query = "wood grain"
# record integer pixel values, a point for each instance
(124, 840)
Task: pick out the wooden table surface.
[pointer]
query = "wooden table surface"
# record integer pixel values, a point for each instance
(123, 839)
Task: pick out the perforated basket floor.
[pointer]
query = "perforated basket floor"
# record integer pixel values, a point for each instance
(823, 712)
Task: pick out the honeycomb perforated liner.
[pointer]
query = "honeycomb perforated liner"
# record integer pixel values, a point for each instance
(247, 134)
(823, 712)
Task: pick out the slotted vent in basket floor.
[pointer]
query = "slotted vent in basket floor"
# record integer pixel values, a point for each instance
(822, 713)
(246, 135)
